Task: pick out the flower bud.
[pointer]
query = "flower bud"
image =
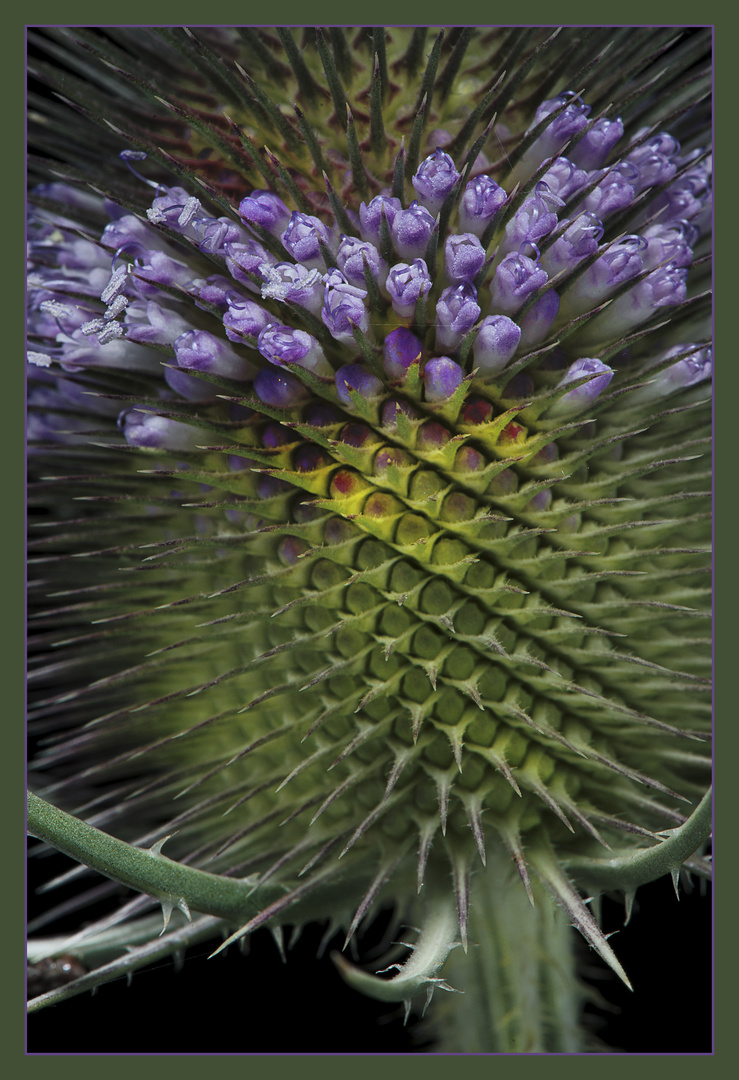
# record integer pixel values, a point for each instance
(406, 284)
(151, 432)
(356, 377)
(371, 215)
(442, 377)
(285, 345)
(578, 399)
(400, 349)
(481, 200)
(495, 344)
(352, 257)
(411, 231)
(266, 209)
(592, 151)
(197, 350)
(457, 311)
(435, 179)
(515, 279)
(464, 257)
(302, 240)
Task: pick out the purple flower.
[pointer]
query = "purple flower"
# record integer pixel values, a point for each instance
(620, 262)
(690, 195)
(435, 179)
(152, 432)
(74, 198)
(356, 377)
(151, 324)
(578, 399)
(616, 191)
(515, 279)
(555, 135)
(266, 209)
(154, 268)
(279, 389)
(126, 230)
(593, 149)
(216, 233)
(669, 243)
(214, 290)
(371, 215)
(481, 201)
(302, 238)
(343, 308)
(457, 311)
(284, 345)
(411, 231)
(294, 284)
(464, 256)
(176, 209)
(496, 342)
(400, 349)
(664, 287)
(82, 350)
(534, 219)
(536, 322)
(406, 283)
(197, 350)
(246, 258)
(679, 376)
(564, 179)
(654, 160)
(350, 259)
(244, 317)
(442, 377)
(578, 241)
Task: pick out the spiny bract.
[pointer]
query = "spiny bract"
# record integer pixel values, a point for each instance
(390, 568)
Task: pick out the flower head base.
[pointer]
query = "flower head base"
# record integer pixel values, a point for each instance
(418, 627)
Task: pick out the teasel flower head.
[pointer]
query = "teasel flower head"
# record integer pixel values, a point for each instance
(369, 398)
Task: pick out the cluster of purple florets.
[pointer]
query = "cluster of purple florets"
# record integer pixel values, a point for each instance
(331, 274)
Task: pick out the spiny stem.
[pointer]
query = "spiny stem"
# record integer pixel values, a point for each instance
(146, 871)
(630, 871)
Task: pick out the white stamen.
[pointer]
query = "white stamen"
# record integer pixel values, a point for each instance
(155, 216)
(119, 304)
(114, 286)
(92, 327)
(39, 359)
(189, 210)
(110, 330)
(55, 309)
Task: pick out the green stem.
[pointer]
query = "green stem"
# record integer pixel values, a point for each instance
(519, 989)
(628, 872)
(147, 871)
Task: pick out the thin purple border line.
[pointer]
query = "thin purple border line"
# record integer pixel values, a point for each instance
(710, 26)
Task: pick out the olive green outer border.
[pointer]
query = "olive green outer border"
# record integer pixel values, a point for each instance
(292, 12)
